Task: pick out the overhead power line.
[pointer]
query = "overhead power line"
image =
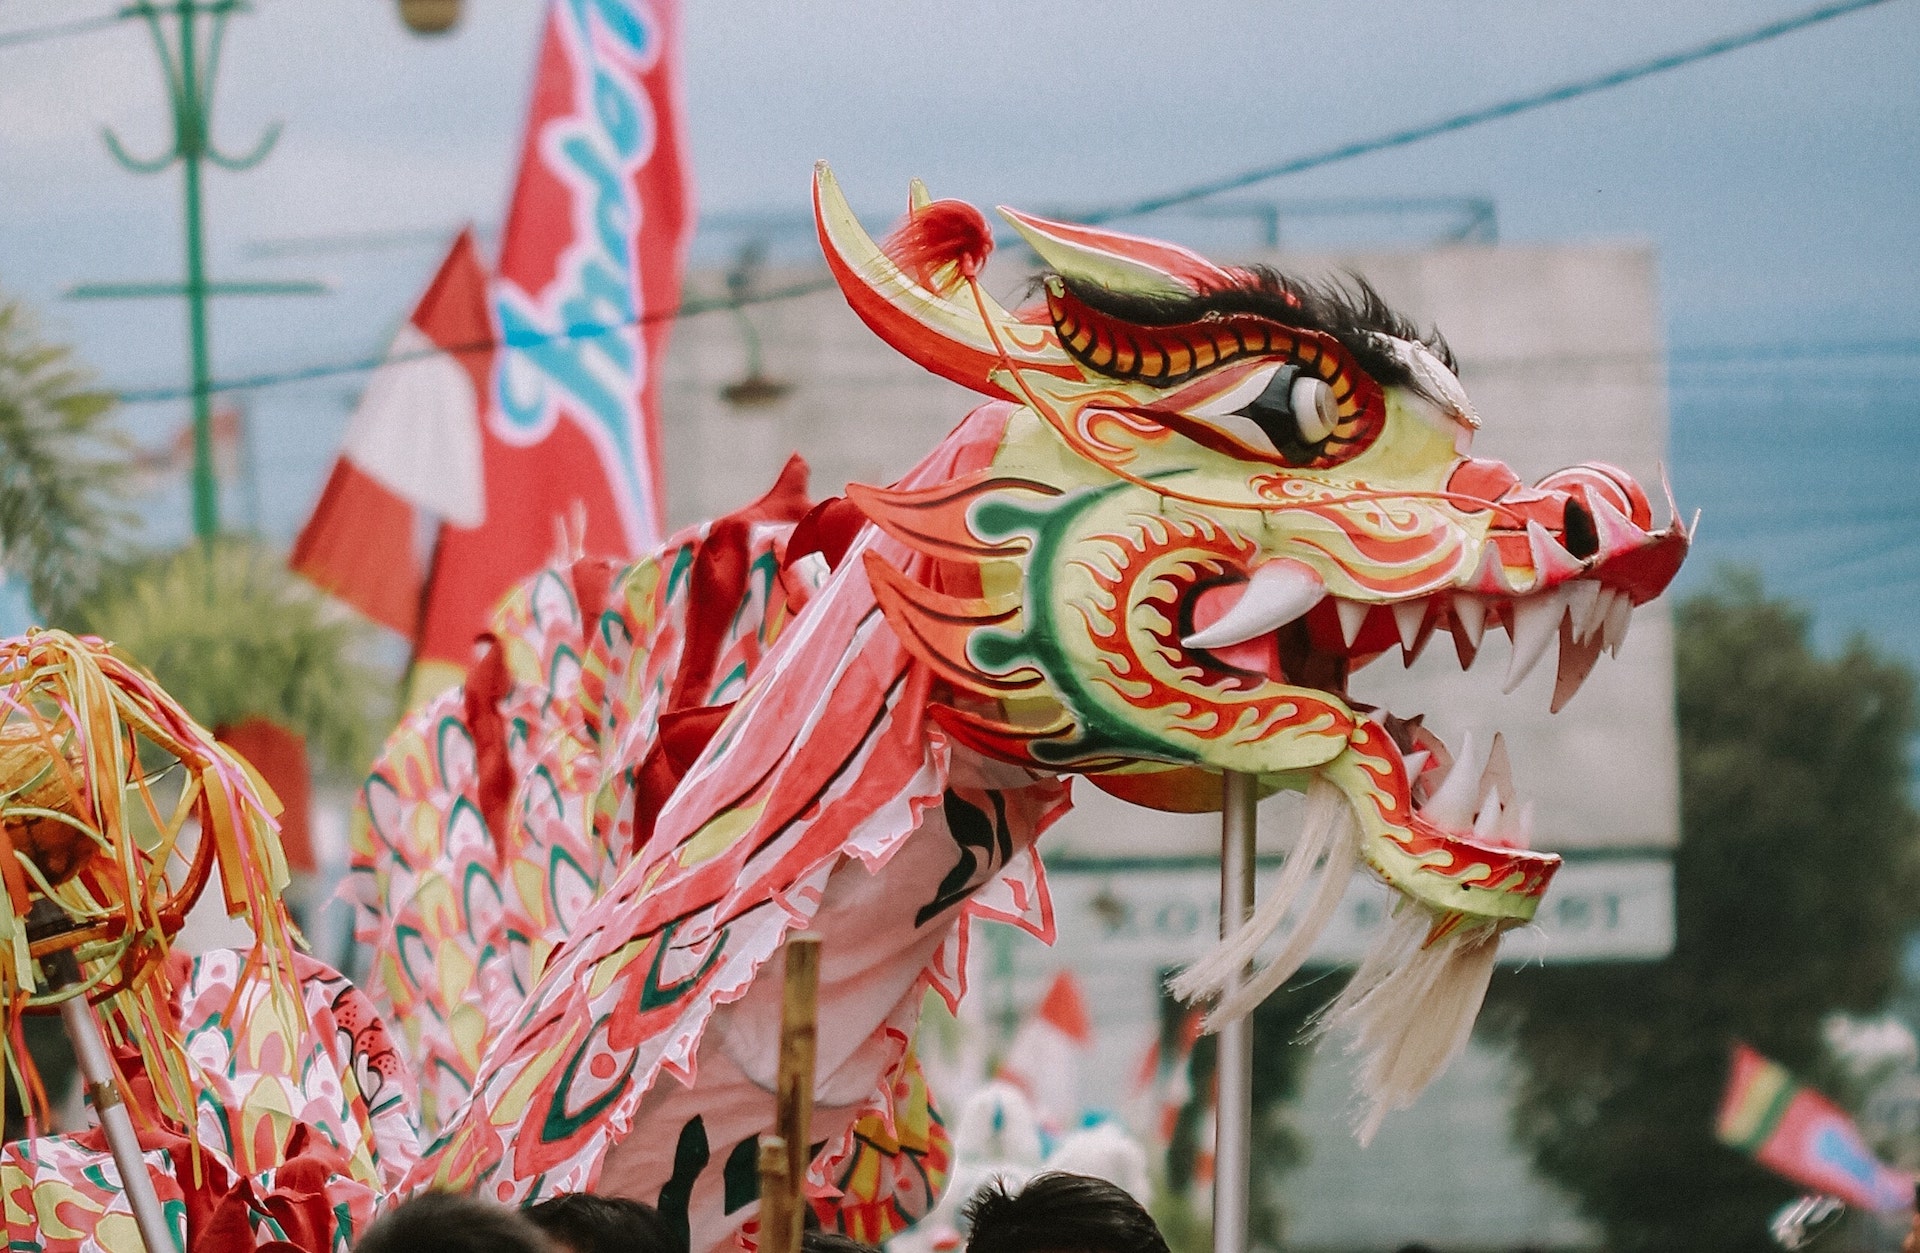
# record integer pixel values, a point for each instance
(1488, 113)
(58, 30)
(581, 330)
(1202, 191)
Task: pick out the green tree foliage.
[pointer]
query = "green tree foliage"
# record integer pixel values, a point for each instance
(232, 634)
(1795, 883)
(62, 468)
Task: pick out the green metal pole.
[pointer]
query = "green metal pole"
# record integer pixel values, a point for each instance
(192, 140)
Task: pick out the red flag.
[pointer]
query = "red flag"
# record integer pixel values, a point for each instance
(589, 275)
(1799, 1134)
(413, 447)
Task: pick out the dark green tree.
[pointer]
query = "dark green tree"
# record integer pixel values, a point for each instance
(63, 468)
(1795, 883)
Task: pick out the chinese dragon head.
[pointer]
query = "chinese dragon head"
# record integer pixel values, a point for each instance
(1220, 492)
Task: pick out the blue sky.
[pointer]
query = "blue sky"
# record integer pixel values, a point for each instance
(1780, 184)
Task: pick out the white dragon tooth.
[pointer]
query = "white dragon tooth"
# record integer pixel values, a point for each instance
(1276, 594)
(1552, 563)
(1534, 621)
(1617, 532)
(1619, 617)
(1353, 614)
(1490, 577)
(1471, 613)
(1416, 763)
(1498, 772)
(1451, 808)
(1583, 606)
(1576, 663)
(1408, 615)
(1516, 825)
(1595, 626)
(1487, 821)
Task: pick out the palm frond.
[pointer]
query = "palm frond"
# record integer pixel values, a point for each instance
(63, 469)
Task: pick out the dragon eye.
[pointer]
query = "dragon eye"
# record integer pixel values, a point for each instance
(1296, 410)
(1312, 410)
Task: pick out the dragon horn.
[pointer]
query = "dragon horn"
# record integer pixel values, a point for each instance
(945, 335)
(1118, 262)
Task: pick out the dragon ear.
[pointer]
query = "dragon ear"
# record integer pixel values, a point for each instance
(958, 333)
(1120, 263)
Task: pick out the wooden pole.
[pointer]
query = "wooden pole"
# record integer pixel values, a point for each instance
(782, 1204)
(776, 1198)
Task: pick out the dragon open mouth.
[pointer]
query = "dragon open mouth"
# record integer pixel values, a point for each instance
(1280, 623)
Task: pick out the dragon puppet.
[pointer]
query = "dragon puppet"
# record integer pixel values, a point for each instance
(1196, 500)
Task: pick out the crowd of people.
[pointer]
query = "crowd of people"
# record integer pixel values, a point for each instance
(1055, 1212)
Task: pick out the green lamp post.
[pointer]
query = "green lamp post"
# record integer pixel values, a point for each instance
(189, 60)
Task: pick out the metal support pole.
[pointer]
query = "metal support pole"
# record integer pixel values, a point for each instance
(1233, 1104)
(102, 1088)
(103, 1093)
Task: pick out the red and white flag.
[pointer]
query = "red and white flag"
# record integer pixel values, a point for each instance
(412, 453)
(1043, 1060)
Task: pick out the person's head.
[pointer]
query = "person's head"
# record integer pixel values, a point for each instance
(814, 1240)
(581, 1222)
(1060, 1213)
(449, 1222)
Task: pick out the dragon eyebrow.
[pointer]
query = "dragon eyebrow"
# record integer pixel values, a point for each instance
(1347, 308)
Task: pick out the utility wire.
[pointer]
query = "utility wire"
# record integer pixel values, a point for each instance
(1489, 113)
(38, 34)
(1345, 152)
(580, 330)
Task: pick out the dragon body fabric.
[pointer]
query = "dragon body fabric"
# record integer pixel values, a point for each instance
(1196, 499)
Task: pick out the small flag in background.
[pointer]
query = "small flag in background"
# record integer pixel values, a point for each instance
(1163, 1084)
(1043, 1060)
(1801, 1136)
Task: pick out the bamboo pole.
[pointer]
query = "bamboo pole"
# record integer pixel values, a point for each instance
(782, 1203)
(1233, 1110)
(776, 1199)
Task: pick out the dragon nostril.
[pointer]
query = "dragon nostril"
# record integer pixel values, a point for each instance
(1578, 533)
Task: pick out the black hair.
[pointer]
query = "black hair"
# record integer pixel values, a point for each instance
(814, 1240)
(1060, 1213)
(451, 1222)
(588, 1223)
(1346, 308)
